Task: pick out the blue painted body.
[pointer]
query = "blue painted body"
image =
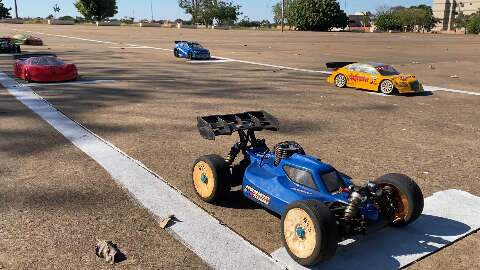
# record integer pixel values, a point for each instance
(196, 51)
(273, 189)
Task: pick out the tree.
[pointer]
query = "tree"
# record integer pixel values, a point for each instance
(206, 11)
(4, 12)
(191, 7)
(472, 25)
(66, 18)
(97, 10)
(316, 15)
(388, 22)
(277, 13)
(416, 18)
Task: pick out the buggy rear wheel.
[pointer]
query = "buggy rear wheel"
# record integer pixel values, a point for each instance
(210, 176)
(340, 81)
(406, 196)
(310, 232)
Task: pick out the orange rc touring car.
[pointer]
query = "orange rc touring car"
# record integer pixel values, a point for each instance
(374, 77)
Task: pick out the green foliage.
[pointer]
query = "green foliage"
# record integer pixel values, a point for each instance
(388, 22)
(206, 11)
(277, 13)
(4, 12)
(472, 26)
(66, 18)
(316, 15)
(416, 18)
(245, 22)
(97, 10)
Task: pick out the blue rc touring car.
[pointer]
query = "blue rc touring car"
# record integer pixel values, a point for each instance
(319, 206)
(190, 50)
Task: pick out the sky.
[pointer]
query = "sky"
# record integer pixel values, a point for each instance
(168, 9)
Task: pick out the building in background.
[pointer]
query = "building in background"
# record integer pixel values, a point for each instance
(448, 11)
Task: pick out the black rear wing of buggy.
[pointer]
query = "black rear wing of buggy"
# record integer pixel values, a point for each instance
(337, 65)
(24, 56)
(217, 125)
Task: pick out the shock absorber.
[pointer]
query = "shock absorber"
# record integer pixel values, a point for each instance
(234, 151)
(355, 202)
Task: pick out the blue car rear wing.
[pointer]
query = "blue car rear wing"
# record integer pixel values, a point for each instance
(181, 41)
(217, 125)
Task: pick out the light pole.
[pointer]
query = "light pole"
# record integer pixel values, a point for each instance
(283, 14)
(151, 8)
(16, 10)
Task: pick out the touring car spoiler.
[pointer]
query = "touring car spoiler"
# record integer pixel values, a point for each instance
(217, 125)
(181, 41)
(337, 65)
(24, 56)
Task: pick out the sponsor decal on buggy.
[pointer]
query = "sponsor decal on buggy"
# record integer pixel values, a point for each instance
(257, 195)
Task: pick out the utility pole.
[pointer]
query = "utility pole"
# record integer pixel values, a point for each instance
(283, 14)
(16, 10)
(151, 8)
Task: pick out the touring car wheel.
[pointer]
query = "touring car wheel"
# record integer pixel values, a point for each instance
(309, 231)
(175, 53)
(340, 81)
(387, 87)
(190, 56)
(210, 175)
(406, 196)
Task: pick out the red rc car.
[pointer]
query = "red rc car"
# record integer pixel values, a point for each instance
(45, 69)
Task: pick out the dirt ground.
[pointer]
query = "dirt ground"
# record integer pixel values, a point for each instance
(55, 203)
(149, 110)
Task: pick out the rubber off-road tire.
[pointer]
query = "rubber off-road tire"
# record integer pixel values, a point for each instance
(175, 53)
(340, 81)
(409, 196)
(309, 232)
(387, 87)
(210, 178)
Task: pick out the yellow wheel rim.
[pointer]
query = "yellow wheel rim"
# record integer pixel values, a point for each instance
(203, 179)
(295, 222)
(403, 206)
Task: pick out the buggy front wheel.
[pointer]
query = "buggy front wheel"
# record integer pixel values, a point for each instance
(310, 232)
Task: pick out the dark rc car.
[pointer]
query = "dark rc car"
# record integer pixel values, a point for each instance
(319, 206)
(8, 46)
(190, 50)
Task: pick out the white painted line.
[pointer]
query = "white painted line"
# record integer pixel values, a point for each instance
(274, 66)
(129, 47)
(209, 61)
(68, 83)
(427, 88)
(435, 88)
(447, 217)
(216, 244)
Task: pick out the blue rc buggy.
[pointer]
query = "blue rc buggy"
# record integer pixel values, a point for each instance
(319, 206)
(190, 50)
